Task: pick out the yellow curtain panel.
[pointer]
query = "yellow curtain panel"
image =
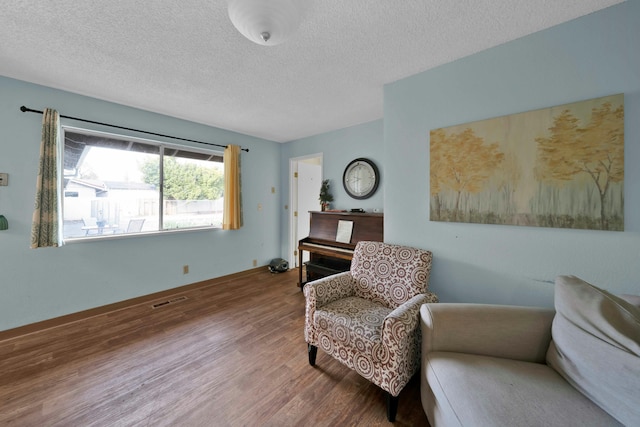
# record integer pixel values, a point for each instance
(44, 228)
(232, 214)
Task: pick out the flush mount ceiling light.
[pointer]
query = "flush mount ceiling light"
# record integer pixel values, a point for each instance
(266, 22)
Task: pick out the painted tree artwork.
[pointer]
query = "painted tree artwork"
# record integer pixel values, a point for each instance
(557, 167)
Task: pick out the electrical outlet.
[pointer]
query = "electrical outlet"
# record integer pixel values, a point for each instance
(259, 206)
(4, 179)
(273, 190)
(255, 262)
(185, 269)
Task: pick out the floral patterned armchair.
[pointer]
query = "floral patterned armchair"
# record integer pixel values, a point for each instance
(368, 317)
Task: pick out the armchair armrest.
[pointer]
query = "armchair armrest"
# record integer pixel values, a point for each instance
(406, 316)
(330, 288)
(321, 292)
(400, 346)
(512, 332)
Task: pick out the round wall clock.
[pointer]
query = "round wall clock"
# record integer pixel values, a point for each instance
(361, 178)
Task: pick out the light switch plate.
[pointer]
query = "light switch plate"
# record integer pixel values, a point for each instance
(4, 179)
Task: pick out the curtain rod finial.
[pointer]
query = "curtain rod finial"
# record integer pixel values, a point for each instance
(23, 109)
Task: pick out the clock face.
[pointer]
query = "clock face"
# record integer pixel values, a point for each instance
(360, 178)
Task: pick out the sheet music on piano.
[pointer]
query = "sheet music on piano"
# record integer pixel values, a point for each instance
(345, 228)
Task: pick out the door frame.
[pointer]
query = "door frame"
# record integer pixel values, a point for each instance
(293, 204)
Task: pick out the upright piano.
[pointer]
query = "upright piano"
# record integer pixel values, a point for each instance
(332, 238)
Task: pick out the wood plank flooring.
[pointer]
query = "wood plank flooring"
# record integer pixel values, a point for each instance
(232, 354)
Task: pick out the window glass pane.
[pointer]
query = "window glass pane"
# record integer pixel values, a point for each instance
(104, 188)
(112, 186)
(192, 190)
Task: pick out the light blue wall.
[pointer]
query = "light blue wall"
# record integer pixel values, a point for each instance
(338, 148)
(589, 57)
(45, 283)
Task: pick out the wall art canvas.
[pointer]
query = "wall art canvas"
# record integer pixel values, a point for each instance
(555, 167)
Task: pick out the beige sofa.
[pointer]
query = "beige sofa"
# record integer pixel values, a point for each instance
(490, 365)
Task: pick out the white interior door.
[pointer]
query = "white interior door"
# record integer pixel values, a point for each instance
(304, 198)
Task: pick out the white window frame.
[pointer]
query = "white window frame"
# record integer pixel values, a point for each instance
(162, 146)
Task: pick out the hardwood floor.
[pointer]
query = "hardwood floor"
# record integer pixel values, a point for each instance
(232, 354)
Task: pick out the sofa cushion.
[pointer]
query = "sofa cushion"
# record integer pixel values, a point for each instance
(473, 390)
(596, 346)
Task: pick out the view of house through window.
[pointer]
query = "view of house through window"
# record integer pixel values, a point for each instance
(121, 186)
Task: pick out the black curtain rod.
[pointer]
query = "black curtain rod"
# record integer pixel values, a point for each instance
(26, 109)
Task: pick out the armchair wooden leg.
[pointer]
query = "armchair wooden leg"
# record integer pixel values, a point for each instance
(313, 351)
(392, 407)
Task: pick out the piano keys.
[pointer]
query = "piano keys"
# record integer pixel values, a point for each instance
(326, 254)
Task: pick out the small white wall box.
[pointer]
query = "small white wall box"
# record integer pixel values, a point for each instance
(4, 179)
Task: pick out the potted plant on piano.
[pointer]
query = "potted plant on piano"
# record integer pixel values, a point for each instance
(325, 197)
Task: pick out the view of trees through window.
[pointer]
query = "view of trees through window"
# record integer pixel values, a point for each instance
(117, 186)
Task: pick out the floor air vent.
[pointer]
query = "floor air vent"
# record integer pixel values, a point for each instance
(169, 301)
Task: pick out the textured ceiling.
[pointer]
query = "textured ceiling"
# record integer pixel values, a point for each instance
(185, 59)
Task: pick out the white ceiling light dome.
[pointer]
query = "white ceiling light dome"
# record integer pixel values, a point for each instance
(267, 22)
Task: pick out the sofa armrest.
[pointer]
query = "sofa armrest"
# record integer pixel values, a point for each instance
(512, 332)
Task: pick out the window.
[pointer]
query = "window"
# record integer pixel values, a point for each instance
(117, 185)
